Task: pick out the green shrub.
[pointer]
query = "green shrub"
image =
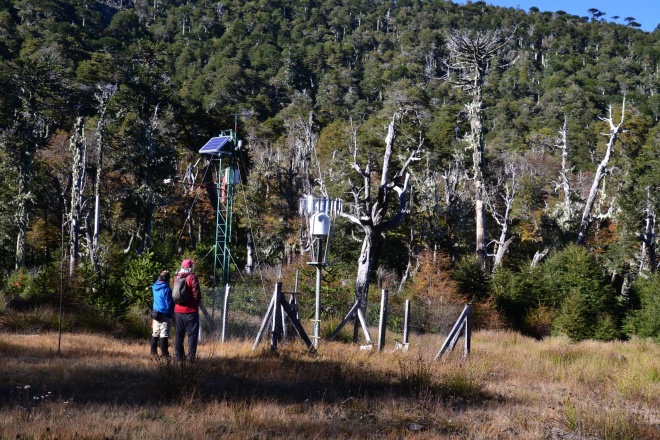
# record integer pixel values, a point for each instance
(472, 279)
(573, 318)
(41, 285)
(644, 321)
(538, 321)
(17, 281)
(606, 328)
(140, 275)
(518, 296)
(44, 286)
(575, 285)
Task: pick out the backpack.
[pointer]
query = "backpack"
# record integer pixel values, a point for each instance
(181, 292)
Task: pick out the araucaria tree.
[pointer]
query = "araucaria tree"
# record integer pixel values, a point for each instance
(379, 212)
(34, 92)
(470, 55)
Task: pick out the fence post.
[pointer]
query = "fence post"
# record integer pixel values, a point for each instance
(276, 330)
(406, 322)
(468, 330)
(285, 332)
(264, 323)
(453, 334)
(225, 304)
(382, 328)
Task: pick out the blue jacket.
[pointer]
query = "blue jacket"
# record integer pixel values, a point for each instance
(163, 298)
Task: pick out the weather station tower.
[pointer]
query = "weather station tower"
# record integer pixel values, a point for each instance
(223, 150)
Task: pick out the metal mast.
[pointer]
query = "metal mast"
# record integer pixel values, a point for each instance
(223, 150)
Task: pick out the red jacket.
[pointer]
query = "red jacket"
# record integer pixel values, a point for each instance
(193, 305)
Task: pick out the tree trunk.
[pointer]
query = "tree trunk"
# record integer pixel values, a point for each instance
(23, 196)
(648, 236)
(371, 214)
(149, 202)
(106, 92)
(249, 261)
(365, 263)
(77, 147)
(600, 174)
(149, 213)
(21, 211)
(508, 195)
(476, 142)
(471, 54)
(191, 230)
(364, 268)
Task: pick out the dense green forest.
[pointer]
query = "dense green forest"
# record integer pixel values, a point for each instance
(523, 174)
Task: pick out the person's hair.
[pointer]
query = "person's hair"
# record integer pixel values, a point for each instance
(164, 276)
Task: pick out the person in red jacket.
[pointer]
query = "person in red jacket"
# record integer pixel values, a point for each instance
(186, 315)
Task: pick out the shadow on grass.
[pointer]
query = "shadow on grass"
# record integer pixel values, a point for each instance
(284, 379)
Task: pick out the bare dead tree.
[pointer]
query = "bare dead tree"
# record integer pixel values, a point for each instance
(249, 259)
(470, 55)
(565, 211)
(78, 147)
(103, 95)
(503, 219)
(371, 212)
(150, 141)
(299, 122)
(538, 256)
(565, 171)
(601, 171)
(648, 237)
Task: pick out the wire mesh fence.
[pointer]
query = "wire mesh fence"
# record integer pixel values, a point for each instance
(247, 307)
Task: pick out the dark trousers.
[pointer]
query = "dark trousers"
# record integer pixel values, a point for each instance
(186, 323)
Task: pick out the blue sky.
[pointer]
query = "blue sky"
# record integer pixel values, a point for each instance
(646, 12)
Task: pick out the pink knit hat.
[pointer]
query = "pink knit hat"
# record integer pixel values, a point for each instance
(187, 264)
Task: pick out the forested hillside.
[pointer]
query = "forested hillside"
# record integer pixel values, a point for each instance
(530, 140)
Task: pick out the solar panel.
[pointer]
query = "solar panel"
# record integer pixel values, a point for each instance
(215, 145)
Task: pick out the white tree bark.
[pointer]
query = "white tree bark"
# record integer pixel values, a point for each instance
(370, 214)
(648, 237)
(566, 211)
(612, 136)
(78, 148)
(504, 220)
(103, 96)
(470, 55)
(249, 260)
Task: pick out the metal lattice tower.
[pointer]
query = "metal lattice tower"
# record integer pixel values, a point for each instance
(223, 150)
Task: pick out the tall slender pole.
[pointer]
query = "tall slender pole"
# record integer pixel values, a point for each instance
(317, 311)
(225, 303)
(59, 325)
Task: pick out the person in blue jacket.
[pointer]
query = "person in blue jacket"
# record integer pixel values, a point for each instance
(163, 312)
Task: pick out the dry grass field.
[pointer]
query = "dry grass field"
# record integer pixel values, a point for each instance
(509, 387)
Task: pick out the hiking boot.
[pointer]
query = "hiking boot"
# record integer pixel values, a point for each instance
(163, 347)
(154, 346)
